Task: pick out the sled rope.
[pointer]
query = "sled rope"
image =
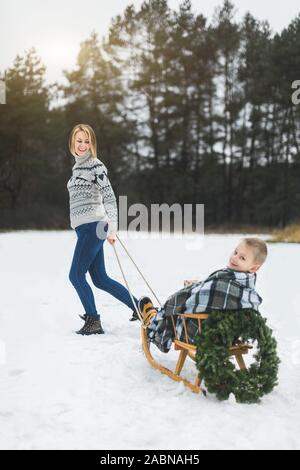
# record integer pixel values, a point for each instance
(145, 280)
(139, 313)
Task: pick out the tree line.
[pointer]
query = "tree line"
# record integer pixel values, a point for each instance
(185, 110)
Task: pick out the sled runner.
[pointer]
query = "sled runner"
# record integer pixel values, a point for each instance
(187, 349)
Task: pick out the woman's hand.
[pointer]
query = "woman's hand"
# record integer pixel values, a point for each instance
(111, 238)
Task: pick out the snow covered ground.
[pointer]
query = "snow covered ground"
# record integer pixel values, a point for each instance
(62, 391)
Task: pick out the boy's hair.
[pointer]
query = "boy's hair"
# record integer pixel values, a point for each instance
(89, 133)
(259, 248)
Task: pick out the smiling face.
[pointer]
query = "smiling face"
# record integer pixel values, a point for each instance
(243, 259)
(82, 144)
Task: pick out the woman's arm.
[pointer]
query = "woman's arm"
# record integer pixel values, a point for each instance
(109, 201)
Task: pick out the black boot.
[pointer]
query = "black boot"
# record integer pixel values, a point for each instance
(92, 326)
(83, 317)
(134, 316)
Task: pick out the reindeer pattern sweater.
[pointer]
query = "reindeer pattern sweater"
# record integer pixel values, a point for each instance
(91, 195)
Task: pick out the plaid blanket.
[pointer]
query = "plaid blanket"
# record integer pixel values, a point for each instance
(224, 289)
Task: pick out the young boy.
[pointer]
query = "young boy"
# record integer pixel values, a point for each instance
(231, 288)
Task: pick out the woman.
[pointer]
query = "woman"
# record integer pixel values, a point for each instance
(94, 216)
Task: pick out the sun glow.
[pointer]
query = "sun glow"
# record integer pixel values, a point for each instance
(60, 52)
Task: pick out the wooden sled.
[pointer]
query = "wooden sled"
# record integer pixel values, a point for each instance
(186, 349)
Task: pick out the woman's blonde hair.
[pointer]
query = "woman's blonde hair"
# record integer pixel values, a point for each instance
(90, 135)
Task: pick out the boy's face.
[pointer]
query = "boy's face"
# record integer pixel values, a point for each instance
(243, 259)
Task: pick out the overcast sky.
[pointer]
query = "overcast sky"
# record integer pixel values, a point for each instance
(57, 27)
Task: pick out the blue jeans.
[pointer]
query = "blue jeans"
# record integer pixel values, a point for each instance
(89, 257)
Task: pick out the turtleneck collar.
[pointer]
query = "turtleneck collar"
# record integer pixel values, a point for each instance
(83, 159)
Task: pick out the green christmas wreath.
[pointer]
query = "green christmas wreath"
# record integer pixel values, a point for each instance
(213, 358)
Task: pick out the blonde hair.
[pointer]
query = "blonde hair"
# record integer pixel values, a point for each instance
(259, 248)
(90, 135)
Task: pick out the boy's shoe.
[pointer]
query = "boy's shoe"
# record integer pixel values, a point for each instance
(142, 303)
(92, 326)
(147, 309)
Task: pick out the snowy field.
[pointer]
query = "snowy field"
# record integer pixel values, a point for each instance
(63, 391)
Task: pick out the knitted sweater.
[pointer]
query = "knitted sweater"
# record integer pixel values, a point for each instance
(91, 195)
